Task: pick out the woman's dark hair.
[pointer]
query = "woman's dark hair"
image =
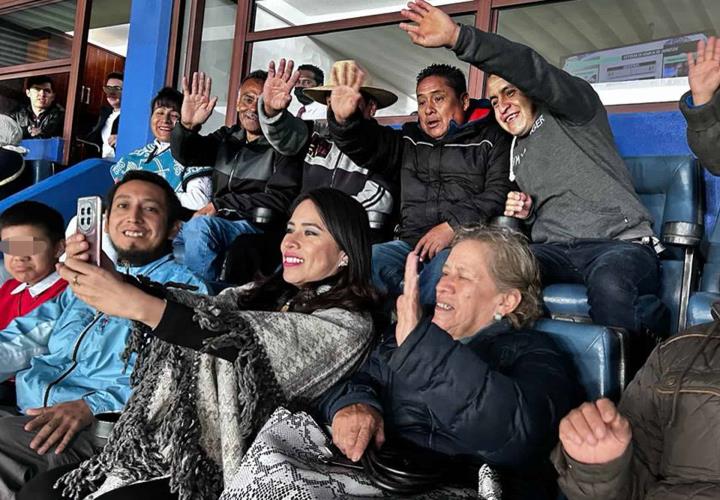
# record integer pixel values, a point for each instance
(167, 97)
(350, 288)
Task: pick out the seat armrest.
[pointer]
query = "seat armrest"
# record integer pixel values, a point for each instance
(686, 234)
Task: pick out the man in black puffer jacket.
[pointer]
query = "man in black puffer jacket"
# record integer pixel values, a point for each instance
(453, 167)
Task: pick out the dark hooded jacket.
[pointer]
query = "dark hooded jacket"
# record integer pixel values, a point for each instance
(460, 179)
(673, 406)
(496, 397)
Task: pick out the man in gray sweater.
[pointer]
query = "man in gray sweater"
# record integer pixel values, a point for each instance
(588, 225)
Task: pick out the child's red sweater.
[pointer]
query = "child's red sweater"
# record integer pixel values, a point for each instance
(18, 299)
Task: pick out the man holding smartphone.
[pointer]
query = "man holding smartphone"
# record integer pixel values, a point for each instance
(67, 357)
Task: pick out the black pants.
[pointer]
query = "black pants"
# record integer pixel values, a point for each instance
(41, 488)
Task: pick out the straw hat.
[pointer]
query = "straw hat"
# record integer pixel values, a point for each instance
(384, 98)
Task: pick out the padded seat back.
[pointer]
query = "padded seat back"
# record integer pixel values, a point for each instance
(669, 187)
(597, 353)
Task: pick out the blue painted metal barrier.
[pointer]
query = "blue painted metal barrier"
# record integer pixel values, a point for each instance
(61, 191)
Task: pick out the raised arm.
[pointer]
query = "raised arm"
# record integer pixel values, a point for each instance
(701, 106)
(286, 133)
(565, 95)
(186, 144)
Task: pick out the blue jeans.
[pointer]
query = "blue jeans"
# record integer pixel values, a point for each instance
(202, 241)
(388, 270)
(622, 280)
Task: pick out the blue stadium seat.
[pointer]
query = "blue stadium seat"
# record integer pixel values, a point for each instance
(597, 351)
(670, 188)
(709, 289)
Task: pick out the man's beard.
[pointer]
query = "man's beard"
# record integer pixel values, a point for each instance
(135, 258)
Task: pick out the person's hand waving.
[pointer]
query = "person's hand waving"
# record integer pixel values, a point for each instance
(432, 28)
(408, 304)
(197, 104)
(345, 97)
(277, 91)
(704, 70)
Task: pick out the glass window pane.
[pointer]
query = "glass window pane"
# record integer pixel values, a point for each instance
(271, 14)
(385, 52)
(215, 54)
(632, 51)
(36, 34)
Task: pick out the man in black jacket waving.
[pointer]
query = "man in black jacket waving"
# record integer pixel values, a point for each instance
(587, 223)
(452, 166)
(248, 174)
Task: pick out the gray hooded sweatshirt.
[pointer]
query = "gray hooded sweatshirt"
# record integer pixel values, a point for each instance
(568, 163)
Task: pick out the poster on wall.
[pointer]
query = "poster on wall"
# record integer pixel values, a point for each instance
(665, 58)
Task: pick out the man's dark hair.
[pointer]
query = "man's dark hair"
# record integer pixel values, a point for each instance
(39, 80)
(258, 74)
(36, 214)
(452, 75)
(115, 74)
(168, 97)
(174, 207)
(319, 75)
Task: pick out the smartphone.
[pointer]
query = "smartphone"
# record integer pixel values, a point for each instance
(89, 223)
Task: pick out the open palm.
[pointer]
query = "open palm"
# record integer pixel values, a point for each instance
(277, 91)
(704, 70)
(197, 104)
(344, 100)
(432, 28)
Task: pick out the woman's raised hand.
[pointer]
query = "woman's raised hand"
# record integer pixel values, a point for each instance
(408, 304)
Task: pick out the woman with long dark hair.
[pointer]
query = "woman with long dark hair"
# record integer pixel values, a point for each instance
(210, 370)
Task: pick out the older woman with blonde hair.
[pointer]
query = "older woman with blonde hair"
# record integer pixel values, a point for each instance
(472, 379)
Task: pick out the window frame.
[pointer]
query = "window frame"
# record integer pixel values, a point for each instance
(486, 14)
(73, 66)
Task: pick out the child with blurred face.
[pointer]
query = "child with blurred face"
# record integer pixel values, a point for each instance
(31, 239)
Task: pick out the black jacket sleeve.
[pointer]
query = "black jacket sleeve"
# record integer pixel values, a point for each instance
(703, 131)
(567, 96)
(368, 144)
(361, 387)
(491, 201)
(195, 150)
(178, 327)
(504, 418)
(280, 190)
